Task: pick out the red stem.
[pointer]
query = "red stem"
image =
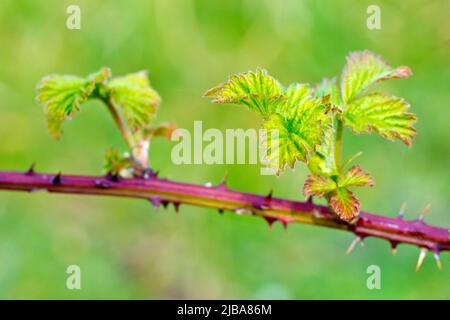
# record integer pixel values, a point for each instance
(162, 191)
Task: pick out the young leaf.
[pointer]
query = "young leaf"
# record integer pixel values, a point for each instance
(387, 115)
(300, 121)
(134, 95)
(345, 204)
(365, 68)
(355, 177)
(61, 96)
(316, 185)
(257, 90)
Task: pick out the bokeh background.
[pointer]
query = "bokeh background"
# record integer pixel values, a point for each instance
(125, 248)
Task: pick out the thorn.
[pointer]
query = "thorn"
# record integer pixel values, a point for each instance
(112, 177)
(437, 257)
(352, 245)
(176, 205)
(156, 202)
(423, 253)
(401, 212)
(309, 200)
(149, 173)
(223, 183)
(57, 179)
(425, 212)
(270, 221)
(31, 169)
(285, 224)
(394, 247)
(264, 204)
(165, 203)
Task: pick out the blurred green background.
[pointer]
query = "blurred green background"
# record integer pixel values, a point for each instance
(128, 250)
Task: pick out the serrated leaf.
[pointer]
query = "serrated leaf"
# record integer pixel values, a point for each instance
(355, 177)
(134, 95)
(301, 121)
(387, 115)
(364, 69)
(61, 96)
(345, 204)
(256, 90)
(317, 185)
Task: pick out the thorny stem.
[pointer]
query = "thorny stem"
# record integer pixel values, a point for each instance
(162, 191)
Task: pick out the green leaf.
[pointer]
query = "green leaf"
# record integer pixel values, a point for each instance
(136, 98)
(364, 69)
(317, 185)
(256, 90)
(345, 204)
(61, 96)
(295, 119)
(355, 177)
(300, 122)
(387, 115)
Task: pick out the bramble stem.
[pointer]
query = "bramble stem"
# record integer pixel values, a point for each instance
(162, 191)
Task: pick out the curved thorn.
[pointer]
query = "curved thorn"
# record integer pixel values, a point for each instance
(437, 257)
(270, 221)
(352, 245)
(425, 212)
(31, 169)
(394, 245)
(223, 183)
(401, 212)
(423, 253)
